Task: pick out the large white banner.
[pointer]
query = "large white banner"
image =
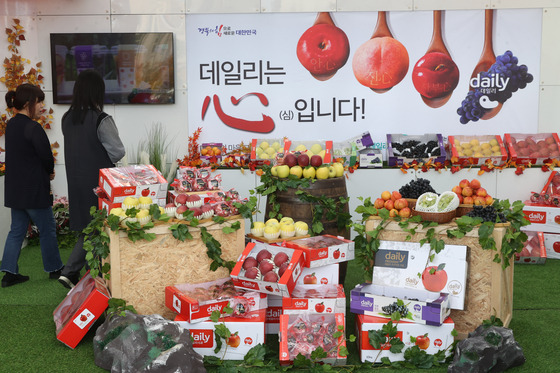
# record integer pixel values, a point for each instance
(249, 76)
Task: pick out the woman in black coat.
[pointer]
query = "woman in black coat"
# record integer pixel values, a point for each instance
(91, 142)
(29, 170)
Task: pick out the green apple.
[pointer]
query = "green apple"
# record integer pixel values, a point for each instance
(316, 148)
(270, 151)
(309, 172)
(322, 154)
(300, 148)
(309, 153)
(130, 201)
(144, 200)
(301, 225)
(264, 156)
(286, 219)
(142, 214)
(274, 170)
(283, 171)
(276, 145)
(117, 211)
(259, 150)
(264, 145)
(322, 173)
(272, 222)
(339, 169)
(258, 225)
(332, 171)
(297, 171)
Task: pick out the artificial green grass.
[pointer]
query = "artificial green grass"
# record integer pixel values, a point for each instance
(29, 341)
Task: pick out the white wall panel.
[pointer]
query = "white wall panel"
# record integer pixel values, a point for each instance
(550, 52)
(147, 7)
(18, 8)
(519, 187)
(548, 109)
(73, 7)
(134, 121)
(298, 6)
(450, 4)
(524, 3)
(223, 6)
(61, 24)
(373, 5)
(159, 23)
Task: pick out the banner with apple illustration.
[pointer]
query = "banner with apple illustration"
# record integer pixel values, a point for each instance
(333, 75)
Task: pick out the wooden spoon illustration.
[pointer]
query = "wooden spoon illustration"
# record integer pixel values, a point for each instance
(444, 69)
(382, 61)
(487, 58)
(323, 48)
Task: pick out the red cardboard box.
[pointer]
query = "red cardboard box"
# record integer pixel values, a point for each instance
(543, 218)
(468, 160)
(534, 251)
(303, 333)
(247, 332)
(322, 250)
(324, 275)
(196, 302)
(552, 245)
(315, 299)
(438, 337)
(80, 308)
(285, 284)
(136, 181)
(273, 313)
(532, 148)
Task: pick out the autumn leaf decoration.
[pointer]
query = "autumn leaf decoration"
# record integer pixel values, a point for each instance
(14, 74)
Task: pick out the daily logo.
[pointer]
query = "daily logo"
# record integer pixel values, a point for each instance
(536, 216)
(202, 338)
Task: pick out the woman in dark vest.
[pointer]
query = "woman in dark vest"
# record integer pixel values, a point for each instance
(91, 142)
(29, 170)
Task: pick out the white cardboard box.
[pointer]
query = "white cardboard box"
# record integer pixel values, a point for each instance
(542, 218)
(408, 265)
(552, 245)
(319, 275)
(315, 299)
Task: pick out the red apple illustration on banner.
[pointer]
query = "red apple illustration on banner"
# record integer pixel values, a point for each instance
(323, 48)
(434, 278)
(319, 307)
(381, 62)
(310, 279)
(422, 341)
(233, 340)
(435, 75)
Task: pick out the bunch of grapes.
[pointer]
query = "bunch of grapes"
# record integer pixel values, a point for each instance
(394, 307)
(417, 149)
(487, 213)
(505, 65)
(416, 188)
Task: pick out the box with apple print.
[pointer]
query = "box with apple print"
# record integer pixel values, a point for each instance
(315, 299)
(197, 301)
(268, 269)
(134, 181)
(419, 306)
(552, 245)
(324, 275)
(246, 333)
(427, 337)
(323, 250)
(543, 218)
(83, 304)
(410, 265)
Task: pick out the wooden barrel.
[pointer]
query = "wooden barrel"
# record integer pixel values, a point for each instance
(292, 206)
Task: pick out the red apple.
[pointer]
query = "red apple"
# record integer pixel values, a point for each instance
(405, 212)
(479, 201)
(467, 192)
(435, 75)
(323, 49)
(434, 278)
(393, 213)
(320, 307)
(263, 254)
(280, 258)
(282, 269)
(253, 273)
(290, 160)
(146, 192)
(303, 160)
(249, 263)
(457, 190)
(522, 144)
(400, 203)
(464, 183)
(316, 160)
(422, 341)
(265, 266)
(386, 195)
(460, 196)
(475, 184)
(379, 203)
(336, 254)
(396, 195)
(550, 140)
(389, 204)
(489, 200)
(380, 63)
(181, 199)
(481, 192)
(233, 340)
(181, 209)
(270, 277)
(557, 219)
(468, 200)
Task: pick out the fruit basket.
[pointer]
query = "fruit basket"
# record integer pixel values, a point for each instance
(532, 148)
(476, 150)
(403, 148)
(438, 217)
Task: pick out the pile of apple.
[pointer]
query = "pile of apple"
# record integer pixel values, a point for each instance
(266, 267)
(472, 193)
(265, 150)
(530, 147)
(301, 165)
(394, 203)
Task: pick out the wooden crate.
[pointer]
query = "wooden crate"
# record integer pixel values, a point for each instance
(489, 287)
(141, 270)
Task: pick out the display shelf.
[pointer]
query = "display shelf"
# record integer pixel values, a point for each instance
(489, 287)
